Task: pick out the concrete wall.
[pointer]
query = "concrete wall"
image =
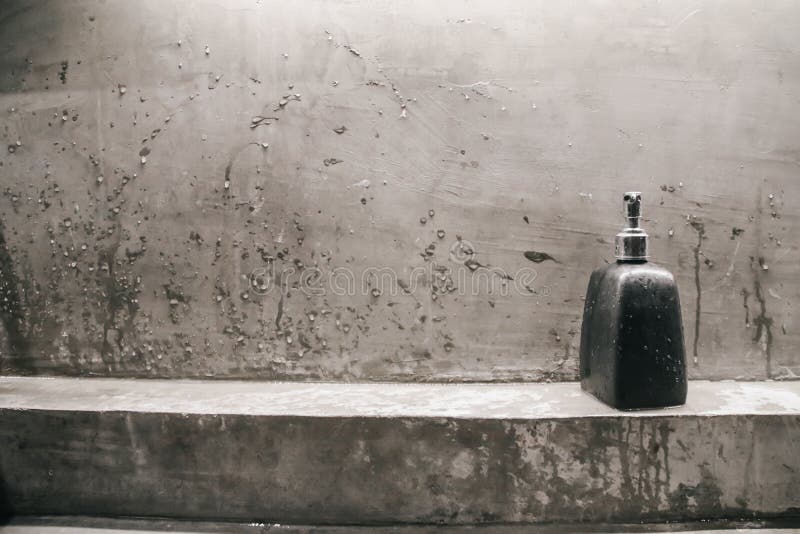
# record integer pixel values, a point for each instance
(139, 197)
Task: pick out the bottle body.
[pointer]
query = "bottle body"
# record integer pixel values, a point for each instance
(632, 350)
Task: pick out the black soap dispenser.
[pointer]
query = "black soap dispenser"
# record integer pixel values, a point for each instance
(632, 352)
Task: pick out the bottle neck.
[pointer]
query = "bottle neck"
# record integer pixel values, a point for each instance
(631, 245)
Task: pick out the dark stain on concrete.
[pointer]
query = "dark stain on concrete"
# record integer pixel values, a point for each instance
(746, 304)
(106, 263)
(279, 312)
(538, 257)
(120, 293)
(762, 322)
(11, 310)
(626, 463)
(231, 162)
(706, 495)
(228, 169)
(664, 432)
(700, 228)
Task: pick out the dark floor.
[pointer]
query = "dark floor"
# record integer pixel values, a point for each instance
(93, 525)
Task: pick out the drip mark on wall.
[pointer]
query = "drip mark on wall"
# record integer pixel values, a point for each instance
(279, 313)
(763, 323)
(11, 313)
(745, 297)
(700, 228)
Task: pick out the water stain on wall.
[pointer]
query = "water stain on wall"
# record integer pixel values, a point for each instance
(12, 314)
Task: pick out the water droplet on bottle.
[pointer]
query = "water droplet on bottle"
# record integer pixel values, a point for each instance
(440, 234)
(423, 220)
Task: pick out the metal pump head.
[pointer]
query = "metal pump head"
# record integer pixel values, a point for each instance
(631, 243)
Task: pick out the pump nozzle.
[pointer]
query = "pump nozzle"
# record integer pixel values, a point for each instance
(632, 207)
(631, 242)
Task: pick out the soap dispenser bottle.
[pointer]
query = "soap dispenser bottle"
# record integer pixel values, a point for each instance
(632, 352)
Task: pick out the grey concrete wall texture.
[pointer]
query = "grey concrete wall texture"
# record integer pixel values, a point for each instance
(348, 190)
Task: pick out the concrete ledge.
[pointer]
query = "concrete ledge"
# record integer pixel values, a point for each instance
(394, 453)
